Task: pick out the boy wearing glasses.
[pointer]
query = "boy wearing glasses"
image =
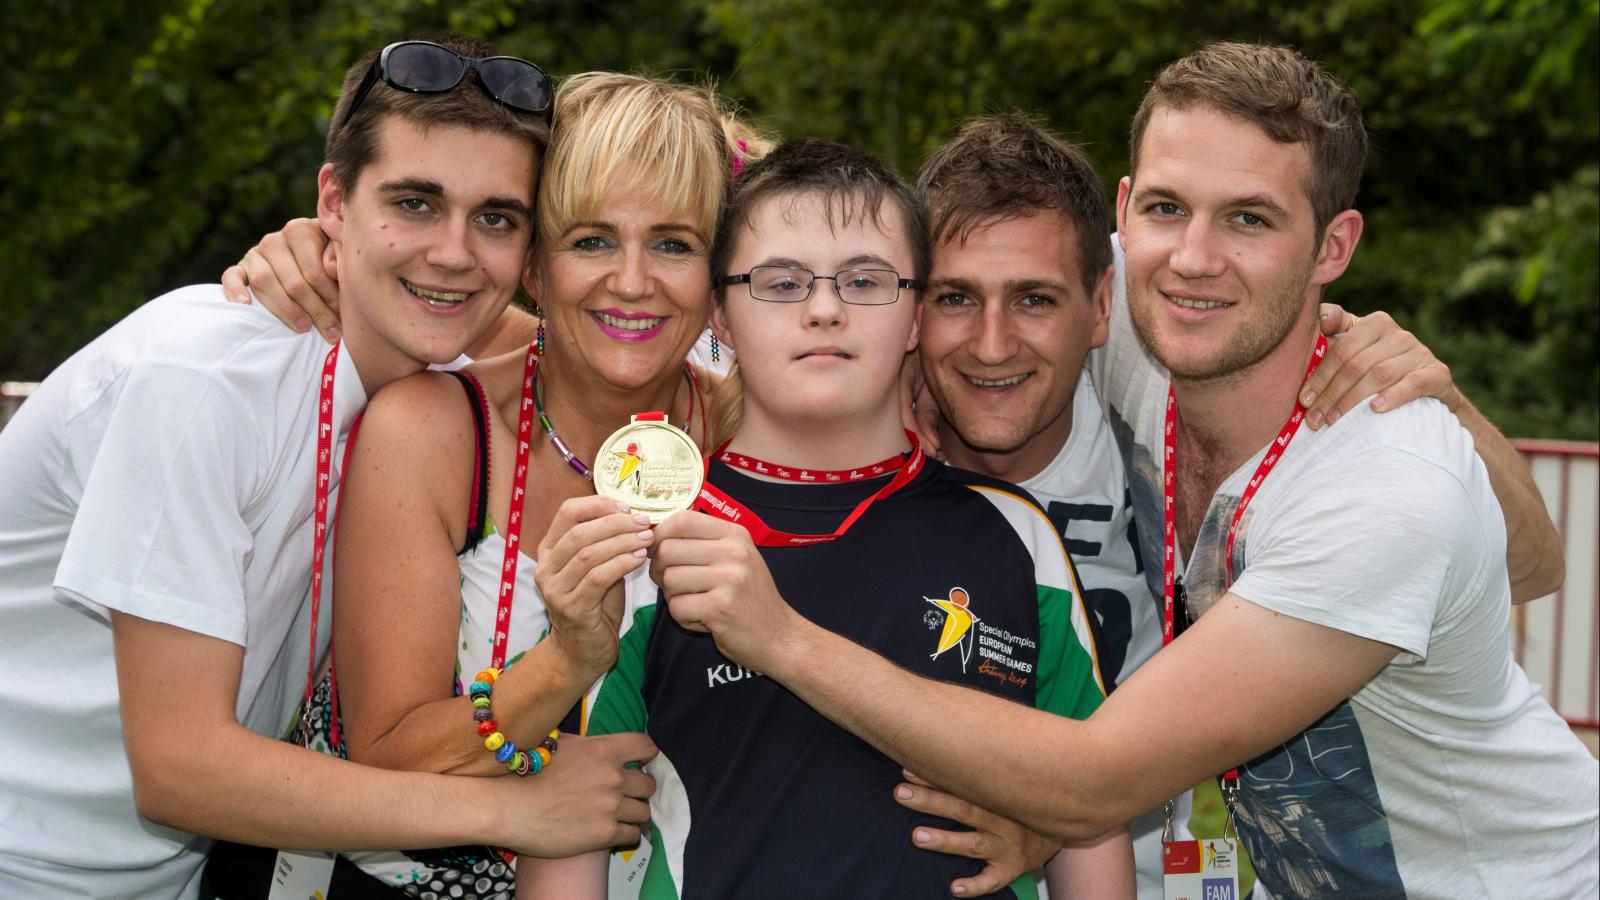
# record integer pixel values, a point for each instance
(167, 497)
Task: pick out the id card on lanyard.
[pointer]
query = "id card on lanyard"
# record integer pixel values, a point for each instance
(1209, 869)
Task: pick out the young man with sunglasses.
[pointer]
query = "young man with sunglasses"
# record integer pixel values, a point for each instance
(168, 493)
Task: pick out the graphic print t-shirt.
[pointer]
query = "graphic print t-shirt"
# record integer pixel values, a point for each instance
(952, 577)
(1446, 775)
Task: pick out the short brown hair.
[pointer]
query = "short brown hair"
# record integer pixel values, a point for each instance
(850, 182)
(1286, 95)
(1008, 166)
(352, 147)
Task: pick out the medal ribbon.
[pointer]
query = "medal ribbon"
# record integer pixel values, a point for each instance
(519, 489)
(1170, 505)
(795, 473)
(714, 501)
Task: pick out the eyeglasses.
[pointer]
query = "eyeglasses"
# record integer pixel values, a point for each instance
(791, 284)
(423, 67)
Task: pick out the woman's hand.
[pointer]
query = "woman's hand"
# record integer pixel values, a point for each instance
(592, 544)
(292, 277)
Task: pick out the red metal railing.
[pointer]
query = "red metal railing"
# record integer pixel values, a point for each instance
(1557, 638)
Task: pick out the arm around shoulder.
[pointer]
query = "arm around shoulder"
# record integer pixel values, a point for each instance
(1535, 559)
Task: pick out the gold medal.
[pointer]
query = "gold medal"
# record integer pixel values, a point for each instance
(650, 465)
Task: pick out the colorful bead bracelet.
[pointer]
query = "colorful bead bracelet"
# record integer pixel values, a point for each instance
(518, 762)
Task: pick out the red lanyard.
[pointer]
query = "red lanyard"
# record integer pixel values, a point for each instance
(319, 531)
(713, 501)
(320, 520)
(319, 513)
(519, 488)
(794, 473)
(1169, 495)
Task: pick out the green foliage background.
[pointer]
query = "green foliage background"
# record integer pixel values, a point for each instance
(145, 145)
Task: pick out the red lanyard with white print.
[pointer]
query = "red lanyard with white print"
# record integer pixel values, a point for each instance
(513, 535)
(519, 490)
(1275, 451)
(714, 501)
(820, 476)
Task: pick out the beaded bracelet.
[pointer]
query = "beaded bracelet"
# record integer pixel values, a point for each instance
(518, 762)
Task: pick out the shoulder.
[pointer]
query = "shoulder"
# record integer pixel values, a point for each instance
(196, 322)
(988, 485)
(1417, 449)
(194, 332)
(1402, 490)
(186, 353)
(427, 412)
(1016, 507)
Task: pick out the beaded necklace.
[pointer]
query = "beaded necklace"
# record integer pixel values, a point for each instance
(571, 458)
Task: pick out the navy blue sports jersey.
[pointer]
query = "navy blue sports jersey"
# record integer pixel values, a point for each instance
(953, 577)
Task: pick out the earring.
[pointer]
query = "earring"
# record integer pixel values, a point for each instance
(538, 338)
(716, 350)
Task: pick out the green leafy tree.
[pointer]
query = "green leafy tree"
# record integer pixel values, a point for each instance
(144, 146)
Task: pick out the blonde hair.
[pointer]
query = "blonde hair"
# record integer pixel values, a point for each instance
(617, 134)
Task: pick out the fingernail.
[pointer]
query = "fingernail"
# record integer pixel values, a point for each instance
(1379, 404)
(903, 792)
(242, 298)
(920, 836)
(959, 889)
(302, 324)
(1314, 419)
(622, 507)
(641, 518)
(1308, 398)
(333, 335)
(646, 534)
(1333, 417)
(642, 552)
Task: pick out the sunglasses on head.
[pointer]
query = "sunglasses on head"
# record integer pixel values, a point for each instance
(423, 67)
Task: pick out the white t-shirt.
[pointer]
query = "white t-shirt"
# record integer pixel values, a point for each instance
(165, 471)
(1084, 492)
(1446, 775)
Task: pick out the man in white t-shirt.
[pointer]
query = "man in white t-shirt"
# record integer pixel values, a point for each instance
(1018, 300)
(1358, 668)
(156, 548)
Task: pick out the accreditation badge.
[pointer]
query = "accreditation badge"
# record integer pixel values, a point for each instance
(1204, 869)
(1201, 869)
(301, 875)
(651, 465)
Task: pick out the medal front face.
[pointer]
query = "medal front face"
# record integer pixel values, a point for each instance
(651, 466)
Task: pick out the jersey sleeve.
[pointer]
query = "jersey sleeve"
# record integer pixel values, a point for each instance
(616, 703)
(1069, 682)
(1376, 557)
(167, 463)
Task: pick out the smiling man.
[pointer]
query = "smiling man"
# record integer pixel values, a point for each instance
(164, 493)
(1349, 651)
